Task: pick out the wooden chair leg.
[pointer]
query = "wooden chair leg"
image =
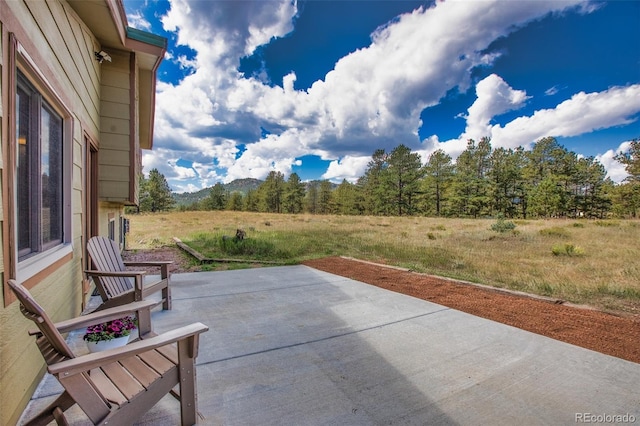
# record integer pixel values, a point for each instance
(166, 292)
(55, 411)
(144, 322)
(187, 372)
(166, 295)
(60, 418)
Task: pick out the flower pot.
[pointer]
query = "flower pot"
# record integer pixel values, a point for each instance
(104, 345)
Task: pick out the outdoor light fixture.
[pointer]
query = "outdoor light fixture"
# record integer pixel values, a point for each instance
(102, 56)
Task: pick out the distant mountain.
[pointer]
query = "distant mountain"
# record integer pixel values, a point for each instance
(188, 198)
(317, 183)
(243, 185)
(238, 185)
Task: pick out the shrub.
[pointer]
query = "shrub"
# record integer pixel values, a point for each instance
(606, 223)
(501, 225)
(567, 249)
(555, 232)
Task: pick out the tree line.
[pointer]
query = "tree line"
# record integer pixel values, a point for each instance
(547, 181)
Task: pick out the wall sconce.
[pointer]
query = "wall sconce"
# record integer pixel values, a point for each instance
(102, 56)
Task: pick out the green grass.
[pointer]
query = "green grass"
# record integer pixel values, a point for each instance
(581, 261)
(567, 249)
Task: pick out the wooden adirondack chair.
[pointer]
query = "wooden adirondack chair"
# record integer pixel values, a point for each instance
(117, 386)
(118, 286)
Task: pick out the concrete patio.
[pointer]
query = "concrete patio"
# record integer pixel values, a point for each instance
(296, 346)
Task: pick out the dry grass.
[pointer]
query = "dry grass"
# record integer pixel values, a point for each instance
(581, 261)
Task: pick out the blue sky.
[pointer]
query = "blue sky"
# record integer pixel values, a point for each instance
(315, 87)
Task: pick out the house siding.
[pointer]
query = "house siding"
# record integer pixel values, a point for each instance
(100, 104)
(61, 47)
(115, 136)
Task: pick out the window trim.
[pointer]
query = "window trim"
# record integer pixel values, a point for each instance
(35, 151)
(52, 258)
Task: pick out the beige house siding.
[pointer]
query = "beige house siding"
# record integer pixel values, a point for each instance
(61, 48)
(55, 44)
(107, 213)
(115, 178)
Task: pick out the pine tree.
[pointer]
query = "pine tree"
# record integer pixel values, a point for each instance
(629, 192)
(294, 193)
(325, 198)
(311, 199)
(346, 199)
(370, 185)
(470, 188)
(506, 181)
(235, 201)
(547, 198)
(631, 161)
(439, 172)
(271, 193)
(155, 193)
(217, 199)
(401, 180)
(251, 201)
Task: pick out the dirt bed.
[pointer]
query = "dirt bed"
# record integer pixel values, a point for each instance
(607, 333)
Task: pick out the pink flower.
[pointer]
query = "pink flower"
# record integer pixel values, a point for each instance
(110, 330)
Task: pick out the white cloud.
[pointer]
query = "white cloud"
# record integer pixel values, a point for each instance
(273, 153)
(185, 62)
(494, 97)
(270, 24)
(615, 170)
(371, 99)
(348, 167)
(583, 113)
(136, 20)
(224, 31)
(552, 91)
(183, 172)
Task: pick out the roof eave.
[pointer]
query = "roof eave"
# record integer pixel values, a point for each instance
(107, 20)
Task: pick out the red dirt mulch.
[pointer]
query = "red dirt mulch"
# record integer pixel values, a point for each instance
(591, 329)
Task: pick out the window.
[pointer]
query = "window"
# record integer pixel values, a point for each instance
(111, 228)
(39, 178)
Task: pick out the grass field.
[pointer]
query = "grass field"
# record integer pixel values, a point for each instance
(591, 262)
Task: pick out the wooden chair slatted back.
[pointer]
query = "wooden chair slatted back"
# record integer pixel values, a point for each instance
(105, 255)
(51, 344)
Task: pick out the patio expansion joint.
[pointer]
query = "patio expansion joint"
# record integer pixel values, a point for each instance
(264, 290)
(323, 339)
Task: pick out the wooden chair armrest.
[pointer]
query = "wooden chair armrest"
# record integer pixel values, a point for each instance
(162, 264)
(148, 263)
(102, 316)
(94, 360)
(129, 274)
